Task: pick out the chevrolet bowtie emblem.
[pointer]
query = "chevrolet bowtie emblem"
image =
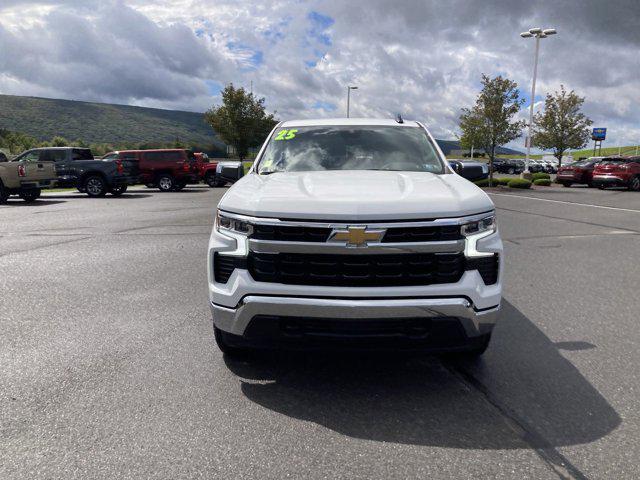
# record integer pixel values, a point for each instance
(356, 236)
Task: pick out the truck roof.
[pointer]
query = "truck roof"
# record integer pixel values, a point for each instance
(150, 150)
(346, 122)
(60, 148)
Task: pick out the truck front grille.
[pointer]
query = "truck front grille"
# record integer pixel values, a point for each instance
(487, 267)
(224, 265)
(357, 270)
(287, 233)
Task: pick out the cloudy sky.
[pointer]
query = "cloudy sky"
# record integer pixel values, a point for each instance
(419, 57)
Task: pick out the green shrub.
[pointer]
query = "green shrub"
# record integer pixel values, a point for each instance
(519, 183)
(496, 181)
(540, 175)
(543, 182)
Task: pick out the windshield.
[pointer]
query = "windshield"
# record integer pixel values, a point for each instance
(350, 148)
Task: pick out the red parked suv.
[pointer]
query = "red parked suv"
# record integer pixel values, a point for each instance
(580, 172)
(618, 172)
(167, 169)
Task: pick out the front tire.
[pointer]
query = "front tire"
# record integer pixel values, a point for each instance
(230, 350)
(511, 171)
(118, 190)
(166, 183)
(213, 181)
(30, 195)
(95, 186)
(566, 184)
(634, 184)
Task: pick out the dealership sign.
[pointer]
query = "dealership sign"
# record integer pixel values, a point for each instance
(599, 134)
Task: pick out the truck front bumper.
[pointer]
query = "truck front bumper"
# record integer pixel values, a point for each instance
(253, 311)
(253, 308)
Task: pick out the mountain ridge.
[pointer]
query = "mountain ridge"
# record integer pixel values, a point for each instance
(94, 122)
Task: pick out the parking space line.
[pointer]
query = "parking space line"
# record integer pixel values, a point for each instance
(565, 202)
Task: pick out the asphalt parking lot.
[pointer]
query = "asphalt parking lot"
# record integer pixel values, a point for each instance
(108, 367)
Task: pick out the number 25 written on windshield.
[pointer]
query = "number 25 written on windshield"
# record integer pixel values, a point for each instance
(286, 134)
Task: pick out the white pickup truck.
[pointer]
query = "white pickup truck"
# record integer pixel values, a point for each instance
(354, 233)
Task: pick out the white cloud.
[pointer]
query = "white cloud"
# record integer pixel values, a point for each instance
(421, 58)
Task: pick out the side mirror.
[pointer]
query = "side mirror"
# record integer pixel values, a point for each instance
(230, 171)
(456, 167)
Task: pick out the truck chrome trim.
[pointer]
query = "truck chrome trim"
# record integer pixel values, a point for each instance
(374, 224)
(274, 246)
(236, 320)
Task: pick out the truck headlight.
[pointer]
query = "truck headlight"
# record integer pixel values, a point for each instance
(487, 224)
(474, 231)
(225, 223)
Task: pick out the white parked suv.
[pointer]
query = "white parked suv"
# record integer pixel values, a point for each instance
(354, 233)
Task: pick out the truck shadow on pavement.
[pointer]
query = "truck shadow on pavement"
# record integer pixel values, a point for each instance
(37, 203)
(425, 400)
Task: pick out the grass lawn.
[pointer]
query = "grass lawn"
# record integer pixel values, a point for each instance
(588, 152)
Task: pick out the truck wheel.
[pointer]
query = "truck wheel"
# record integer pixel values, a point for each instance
(165, 183)
(95, 186)
(211, 180)
(634, 184)
(30, 195)
(118, 190)
(225, 347)
(4, 194)
(566, 184)
(511, 171)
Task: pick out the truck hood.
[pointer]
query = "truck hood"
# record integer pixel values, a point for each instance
(355, 196)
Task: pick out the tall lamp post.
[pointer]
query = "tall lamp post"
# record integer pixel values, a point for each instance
(538, 33)
(349, 88)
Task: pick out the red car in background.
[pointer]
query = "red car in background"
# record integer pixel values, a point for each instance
(167, 169)
(207, 170)
(618, 172)
(580, 172)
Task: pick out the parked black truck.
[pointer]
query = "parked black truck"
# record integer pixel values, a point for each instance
(76, 168)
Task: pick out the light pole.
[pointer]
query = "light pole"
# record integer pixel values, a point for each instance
(349, 88)
(538, 33)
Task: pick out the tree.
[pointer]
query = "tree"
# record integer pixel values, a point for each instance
(489, 123)
(562, 125)
(241, 120)
(472, 135)
(58, 141)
